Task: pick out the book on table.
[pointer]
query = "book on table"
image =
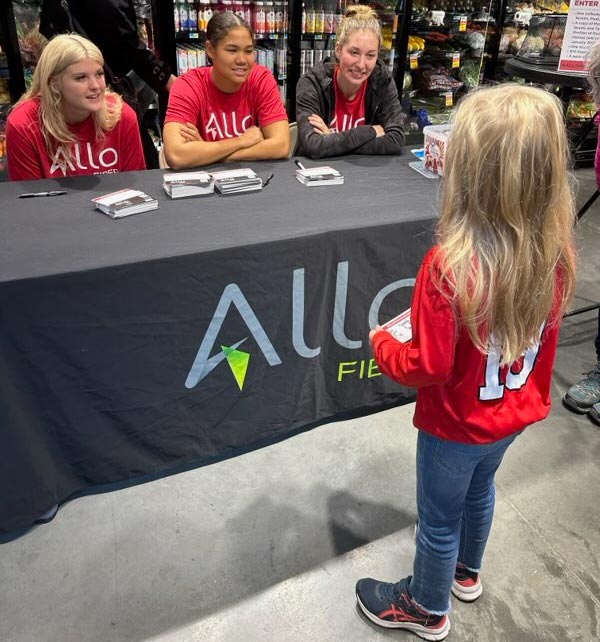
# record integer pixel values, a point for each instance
(314, 176)
(183, 184)
(125, 202)
(399, 327)
(235, 181)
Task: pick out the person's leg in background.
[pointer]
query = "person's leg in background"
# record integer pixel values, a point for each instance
(594, 411)
(584, 396)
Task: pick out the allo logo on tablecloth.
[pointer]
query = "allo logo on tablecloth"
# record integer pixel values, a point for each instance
(238, 362)
(233, 297)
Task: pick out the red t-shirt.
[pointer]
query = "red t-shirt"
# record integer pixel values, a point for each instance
(347, 114)
(463, 395)
(194, 98)
(119, 151)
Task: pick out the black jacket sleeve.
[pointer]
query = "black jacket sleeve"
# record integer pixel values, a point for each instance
(310, 100)
(390, 116)
(112, 26)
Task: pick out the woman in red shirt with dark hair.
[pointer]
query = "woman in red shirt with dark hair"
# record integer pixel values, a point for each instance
(229, 111)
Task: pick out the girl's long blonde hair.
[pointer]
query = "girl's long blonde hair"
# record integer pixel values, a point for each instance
(61, 52)
(507, 216)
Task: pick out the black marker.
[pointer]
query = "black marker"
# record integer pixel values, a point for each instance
(56, 192)
(300, 165)
(268, 180)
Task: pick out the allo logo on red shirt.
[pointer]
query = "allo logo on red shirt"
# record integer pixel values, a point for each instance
(348, 121)
(85, 160)
(226, 125)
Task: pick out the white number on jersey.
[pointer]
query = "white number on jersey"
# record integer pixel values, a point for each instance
(493, 388)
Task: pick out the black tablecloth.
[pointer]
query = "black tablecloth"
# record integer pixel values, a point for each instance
(195, 332)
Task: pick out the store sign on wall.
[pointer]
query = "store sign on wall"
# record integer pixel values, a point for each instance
(581, 32)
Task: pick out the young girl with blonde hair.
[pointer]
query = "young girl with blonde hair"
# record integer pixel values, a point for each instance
(350, 105)
(485, 317)
(69, 123)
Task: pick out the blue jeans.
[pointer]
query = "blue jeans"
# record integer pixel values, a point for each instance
(455, 501)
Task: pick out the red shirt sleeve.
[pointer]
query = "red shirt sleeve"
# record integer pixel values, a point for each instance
(266, 97)
(428, 358)
(184, 99)
(22, 145)
(131, 151)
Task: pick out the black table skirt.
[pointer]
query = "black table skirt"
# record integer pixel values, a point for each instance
(175, 338)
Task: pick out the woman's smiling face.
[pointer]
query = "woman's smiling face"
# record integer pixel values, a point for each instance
(232, 58)
(356, 60)
(81, 87)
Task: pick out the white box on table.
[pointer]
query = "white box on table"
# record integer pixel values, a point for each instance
(435, 143)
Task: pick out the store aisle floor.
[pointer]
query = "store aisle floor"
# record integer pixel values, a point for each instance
(267, 547)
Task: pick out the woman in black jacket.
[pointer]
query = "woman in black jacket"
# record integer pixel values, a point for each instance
(350, 106)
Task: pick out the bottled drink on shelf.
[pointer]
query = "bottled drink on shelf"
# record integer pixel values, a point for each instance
(339, 14)
(311, 17)
(284, 8)
(227, 5)
(176, 17)
(204, 14)
(238, 9)
(247, 11)
(319, 18)
(269, 17)
(192, 16)
(260, 17)
(184, 23)
(278, 9)
(330, 16)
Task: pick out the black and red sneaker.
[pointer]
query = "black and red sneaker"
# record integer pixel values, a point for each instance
(391, 606)
(466, 585)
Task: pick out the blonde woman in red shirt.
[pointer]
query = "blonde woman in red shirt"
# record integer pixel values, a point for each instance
(69, 123)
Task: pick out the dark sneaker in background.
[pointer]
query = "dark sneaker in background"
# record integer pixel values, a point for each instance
(581, 396)
(391, 606)
(594, 413)
(466, 585)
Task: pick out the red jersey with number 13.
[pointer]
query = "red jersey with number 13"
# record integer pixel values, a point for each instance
(464, 395)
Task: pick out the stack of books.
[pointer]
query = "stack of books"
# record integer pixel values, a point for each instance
(235, 181)
(325, 175)
(186, 184)
(125, 202)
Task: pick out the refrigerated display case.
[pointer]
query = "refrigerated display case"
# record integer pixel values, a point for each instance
(533, 57)
(446, 56)
(183, 32)
(516, 18)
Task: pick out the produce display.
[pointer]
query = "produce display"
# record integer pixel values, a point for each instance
(544, 39)
(445, 48)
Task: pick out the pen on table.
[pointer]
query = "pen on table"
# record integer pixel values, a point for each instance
(300, 165)
(56, 192)
(268, 180)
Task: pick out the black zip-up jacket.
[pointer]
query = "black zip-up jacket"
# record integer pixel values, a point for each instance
(315, 94)
(112, 26)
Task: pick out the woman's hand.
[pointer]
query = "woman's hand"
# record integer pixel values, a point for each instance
(374, 331)
(252, 136)
(318, 124)
(189, 133)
